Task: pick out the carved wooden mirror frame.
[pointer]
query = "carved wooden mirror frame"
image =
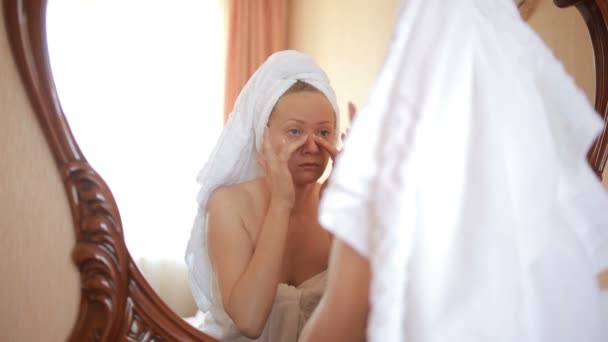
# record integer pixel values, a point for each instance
(595, 13)
(116, 302)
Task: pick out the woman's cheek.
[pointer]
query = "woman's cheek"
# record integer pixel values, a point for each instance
(329, 138)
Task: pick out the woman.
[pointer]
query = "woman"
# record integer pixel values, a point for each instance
(257, 255)
(463, 207)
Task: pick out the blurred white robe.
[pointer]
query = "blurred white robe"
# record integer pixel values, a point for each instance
(464, 181)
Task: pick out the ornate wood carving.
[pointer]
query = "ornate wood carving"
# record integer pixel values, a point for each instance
(117, 304)
(595, 13)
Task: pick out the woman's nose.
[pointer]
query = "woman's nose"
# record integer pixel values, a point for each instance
(310, 146)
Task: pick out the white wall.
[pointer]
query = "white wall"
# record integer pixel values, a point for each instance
(348, 39)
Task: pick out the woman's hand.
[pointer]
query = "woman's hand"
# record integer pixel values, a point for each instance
(327, 146)
(274, 162)
(330, 148)
(333, 153)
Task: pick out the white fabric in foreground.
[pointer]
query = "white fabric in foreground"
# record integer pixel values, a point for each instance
(465, 183)
(233, 161)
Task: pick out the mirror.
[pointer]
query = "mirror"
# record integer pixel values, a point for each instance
(151, 80)
(157, 90)
(117, 302)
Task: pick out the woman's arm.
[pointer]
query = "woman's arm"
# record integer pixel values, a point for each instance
(602, 279)
(247, 277)
(343, 310)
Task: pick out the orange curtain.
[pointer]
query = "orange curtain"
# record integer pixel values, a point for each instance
(256, 29)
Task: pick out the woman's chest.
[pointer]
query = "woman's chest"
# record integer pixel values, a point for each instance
(306, 246)
(306, 252)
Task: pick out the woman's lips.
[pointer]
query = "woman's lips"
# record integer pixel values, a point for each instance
(309, 165)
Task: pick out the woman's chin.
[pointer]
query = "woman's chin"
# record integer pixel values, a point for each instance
(306, 177)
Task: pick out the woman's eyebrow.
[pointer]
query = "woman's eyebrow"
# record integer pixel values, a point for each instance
(296, 120)
(303, 122)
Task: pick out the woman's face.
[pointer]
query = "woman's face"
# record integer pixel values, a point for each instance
(304, 113)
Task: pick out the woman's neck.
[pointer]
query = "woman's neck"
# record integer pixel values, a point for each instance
(307, 198)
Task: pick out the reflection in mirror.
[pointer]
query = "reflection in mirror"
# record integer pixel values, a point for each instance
(138, 82)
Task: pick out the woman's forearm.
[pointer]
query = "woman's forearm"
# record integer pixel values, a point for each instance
(252, 296)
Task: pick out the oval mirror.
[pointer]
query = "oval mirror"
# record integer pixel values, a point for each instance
(141, 85)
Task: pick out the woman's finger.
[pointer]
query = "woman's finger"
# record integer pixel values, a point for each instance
(329, 147)
(267, 149)
(291, 147)
(263, 164)
(352, 111)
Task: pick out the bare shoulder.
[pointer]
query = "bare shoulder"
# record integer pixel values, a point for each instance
(225, 196)
(237, 196)
(237, 205)
(225, 222)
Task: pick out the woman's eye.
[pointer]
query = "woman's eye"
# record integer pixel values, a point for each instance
(293, 131)
(324, 133)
